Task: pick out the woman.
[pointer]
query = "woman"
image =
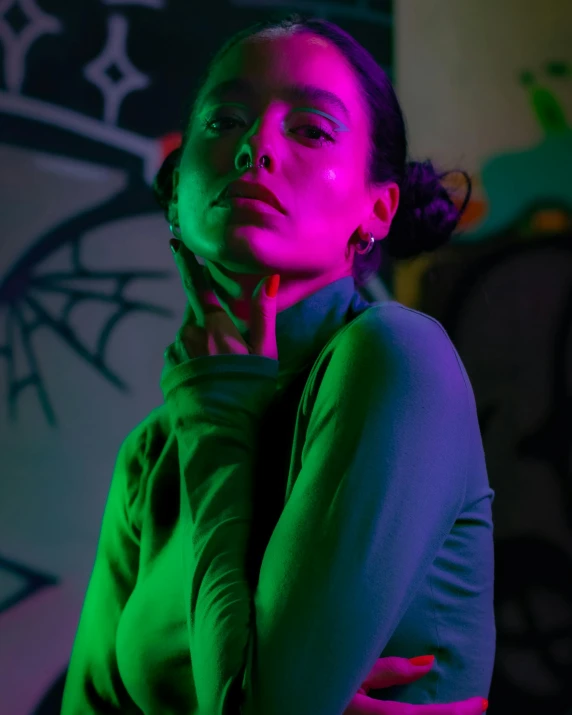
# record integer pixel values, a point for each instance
(312, 496)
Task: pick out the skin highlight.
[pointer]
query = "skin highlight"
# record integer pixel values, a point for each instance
(320, 181)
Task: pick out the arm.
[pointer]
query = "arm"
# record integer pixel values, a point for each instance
(93, 685)
(381, 481)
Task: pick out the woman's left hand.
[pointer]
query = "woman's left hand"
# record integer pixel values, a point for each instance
(208, 329)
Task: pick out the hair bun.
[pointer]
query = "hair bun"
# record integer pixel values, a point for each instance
(427, 216)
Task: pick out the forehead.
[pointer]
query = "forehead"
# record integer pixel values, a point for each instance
(274, 61)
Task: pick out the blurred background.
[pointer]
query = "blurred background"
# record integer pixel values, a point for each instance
(91, 94)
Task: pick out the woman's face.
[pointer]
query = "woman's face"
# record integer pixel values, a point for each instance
(316, 162)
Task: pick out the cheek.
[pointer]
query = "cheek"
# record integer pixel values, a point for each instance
(331, 194)
(193, 197)
(212, 156)
(197, 186)
(330, 204)
(338, 183)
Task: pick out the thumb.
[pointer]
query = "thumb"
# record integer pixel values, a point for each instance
(263, 318)
(394, 670)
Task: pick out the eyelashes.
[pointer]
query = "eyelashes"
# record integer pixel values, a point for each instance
(208, 124)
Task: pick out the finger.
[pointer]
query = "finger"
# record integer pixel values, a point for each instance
(197, 287)
(263, 318)
(393, 670)
(191, 287)
(364, 705)
(207, 295)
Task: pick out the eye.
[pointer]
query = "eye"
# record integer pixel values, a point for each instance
(321, 132)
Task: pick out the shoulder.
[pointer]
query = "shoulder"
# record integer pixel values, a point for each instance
(403, 326)
(393, 327)
(391, 346)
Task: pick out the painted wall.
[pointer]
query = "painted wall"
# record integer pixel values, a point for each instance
(458, 69)
(487, 86)
(90, 96)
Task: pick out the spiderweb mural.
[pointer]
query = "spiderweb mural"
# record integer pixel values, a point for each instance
(25, 287)
(90, 99)
(24, 284)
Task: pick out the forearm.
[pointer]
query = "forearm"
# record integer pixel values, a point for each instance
(216, 422)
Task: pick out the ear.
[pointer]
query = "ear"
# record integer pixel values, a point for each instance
(176, 174)
(386, 201)
(174, 196)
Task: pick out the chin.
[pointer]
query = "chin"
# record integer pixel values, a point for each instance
(243, 255)
(236, 264)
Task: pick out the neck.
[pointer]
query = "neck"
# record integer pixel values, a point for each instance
(235, 290)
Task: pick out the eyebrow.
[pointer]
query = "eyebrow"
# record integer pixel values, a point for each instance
(293, 92)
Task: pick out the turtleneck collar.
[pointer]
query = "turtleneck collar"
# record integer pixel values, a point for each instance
(303, 329)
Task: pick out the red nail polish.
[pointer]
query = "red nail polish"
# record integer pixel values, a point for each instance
(422, 660)
(272, 285)
(485, 704)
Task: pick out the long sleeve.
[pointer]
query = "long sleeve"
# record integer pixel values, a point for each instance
(379, 484)
(215, 404)
(93, 685)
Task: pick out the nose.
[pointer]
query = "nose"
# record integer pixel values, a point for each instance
(261, 138)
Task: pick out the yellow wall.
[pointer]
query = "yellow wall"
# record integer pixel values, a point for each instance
(457, 65)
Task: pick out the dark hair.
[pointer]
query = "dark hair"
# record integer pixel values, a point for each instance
(426, 216)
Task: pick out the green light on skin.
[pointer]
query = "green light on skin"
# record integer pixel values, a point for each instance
(341, 127)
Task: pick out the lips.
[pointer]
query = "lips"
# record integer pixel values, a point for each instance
(251, 190)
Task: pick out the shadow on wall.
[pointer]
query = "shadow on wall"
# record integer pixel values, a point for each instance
(506, 303)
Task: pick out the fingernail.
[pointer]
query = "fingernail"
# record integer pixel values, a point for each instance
(422, 659)
(272, 285)
(485, 704)
(175, 244)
